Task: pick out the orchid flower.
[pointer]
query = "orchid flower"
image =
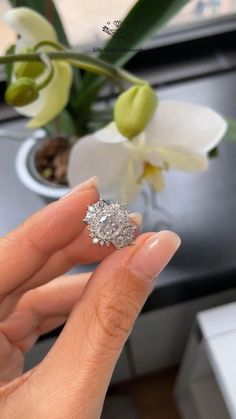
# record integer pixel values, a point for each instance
(178, 136)
(32, 29)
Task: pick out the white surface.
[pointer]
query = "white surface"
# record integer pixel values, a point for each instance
(218, 320)
(222, 353)
(208, 399)
(207, 378)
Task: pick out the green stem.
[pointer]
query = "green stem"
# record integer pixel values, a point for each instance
(52, 44)
(80, 60)
(49, 77)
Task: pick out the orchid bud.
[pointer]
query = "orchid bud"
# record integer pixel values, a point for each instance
(31, 69)
(22, 92)
(134, 109)
(28, 69)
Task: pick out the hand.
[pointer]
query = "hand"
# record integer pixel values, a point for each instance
(100, 308)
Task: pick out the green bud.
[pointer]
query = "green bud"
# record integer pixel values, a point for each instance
(28, 68)
(134, 109)
(22, 92)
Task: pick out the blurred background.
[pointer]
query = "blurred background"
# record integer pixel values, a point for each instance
(176, 362)
(84, 19)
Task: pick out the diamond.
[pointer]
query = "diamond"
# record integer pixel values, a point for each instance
(102, 219)
(108, 223)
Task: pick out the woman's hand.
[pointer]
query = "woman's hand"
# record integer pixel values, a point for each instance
(100, 308)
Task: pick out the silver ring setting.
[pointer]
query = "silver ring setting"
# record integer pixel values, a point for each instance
(109, 223)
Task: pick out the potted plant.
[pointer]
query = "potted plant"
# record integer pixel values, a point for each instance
(132, 141)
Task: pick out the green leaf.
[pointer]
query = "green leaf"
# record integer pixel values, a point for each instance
(142, 22)
(8, 66)
(45, 8)
(231, 131)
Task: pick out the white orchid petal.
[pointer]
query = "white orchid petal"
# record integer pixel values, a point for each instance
(130, 186)
(154, 157)
(195, 128)
(52, 99)
(30, 25)
(109, 134)
(180, 159)
(112, 163)
(32, 109)
(137, 167)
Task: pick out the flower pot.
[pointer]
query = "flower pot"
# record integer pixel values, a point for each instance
(28, 174)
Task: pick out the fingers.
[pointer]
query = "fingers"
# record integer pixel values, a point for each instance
(11, 360)
(43, 309)
(34, 242)
(80, 364)
(79, 251)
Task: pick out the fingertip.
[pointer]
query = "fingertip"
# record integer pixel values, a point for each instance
(154, 254)
(171, 237)
(90, 183)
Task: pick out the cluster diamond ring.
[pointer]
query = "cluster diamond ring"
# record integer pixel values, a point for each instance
(109, 223)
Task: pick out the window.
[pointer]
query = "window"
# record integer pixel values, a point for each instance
(198, 10)
(84, 19)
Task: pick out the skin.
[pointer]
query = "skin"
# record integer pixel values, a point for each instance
(99, 310)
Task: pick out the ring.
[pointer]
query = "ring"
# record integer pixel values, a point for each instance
(108, 223)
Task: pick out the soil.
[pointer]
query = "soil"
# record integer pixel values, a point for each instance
(51, 160)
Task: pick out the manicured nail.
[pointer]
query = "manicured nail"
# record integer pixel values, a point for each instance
(136, 217)
(154, 255)
(89, 183)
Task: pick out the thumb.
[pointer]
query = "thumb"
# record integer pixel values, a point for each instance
(74, 376)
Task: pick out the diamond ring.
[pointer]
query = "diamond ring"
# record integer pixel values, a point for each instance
(108, 223)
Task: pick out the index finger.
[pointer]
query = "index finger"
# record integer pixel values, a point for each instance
(25, 250)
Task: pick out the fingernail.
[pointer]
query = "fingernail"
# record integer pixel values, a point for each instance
(154, 255)
(89, 183)
(136, 217)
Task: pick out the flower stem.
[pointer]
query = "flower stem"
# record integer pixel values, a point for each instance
(82, 61)
(49, 76)
(52, 44)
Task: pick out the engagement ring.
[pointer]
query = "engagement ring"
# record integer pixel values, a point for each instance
(108, 223)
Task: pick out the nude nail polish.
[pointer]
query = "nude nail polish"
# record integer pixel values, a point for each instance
(154, 255)
(89, 183)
